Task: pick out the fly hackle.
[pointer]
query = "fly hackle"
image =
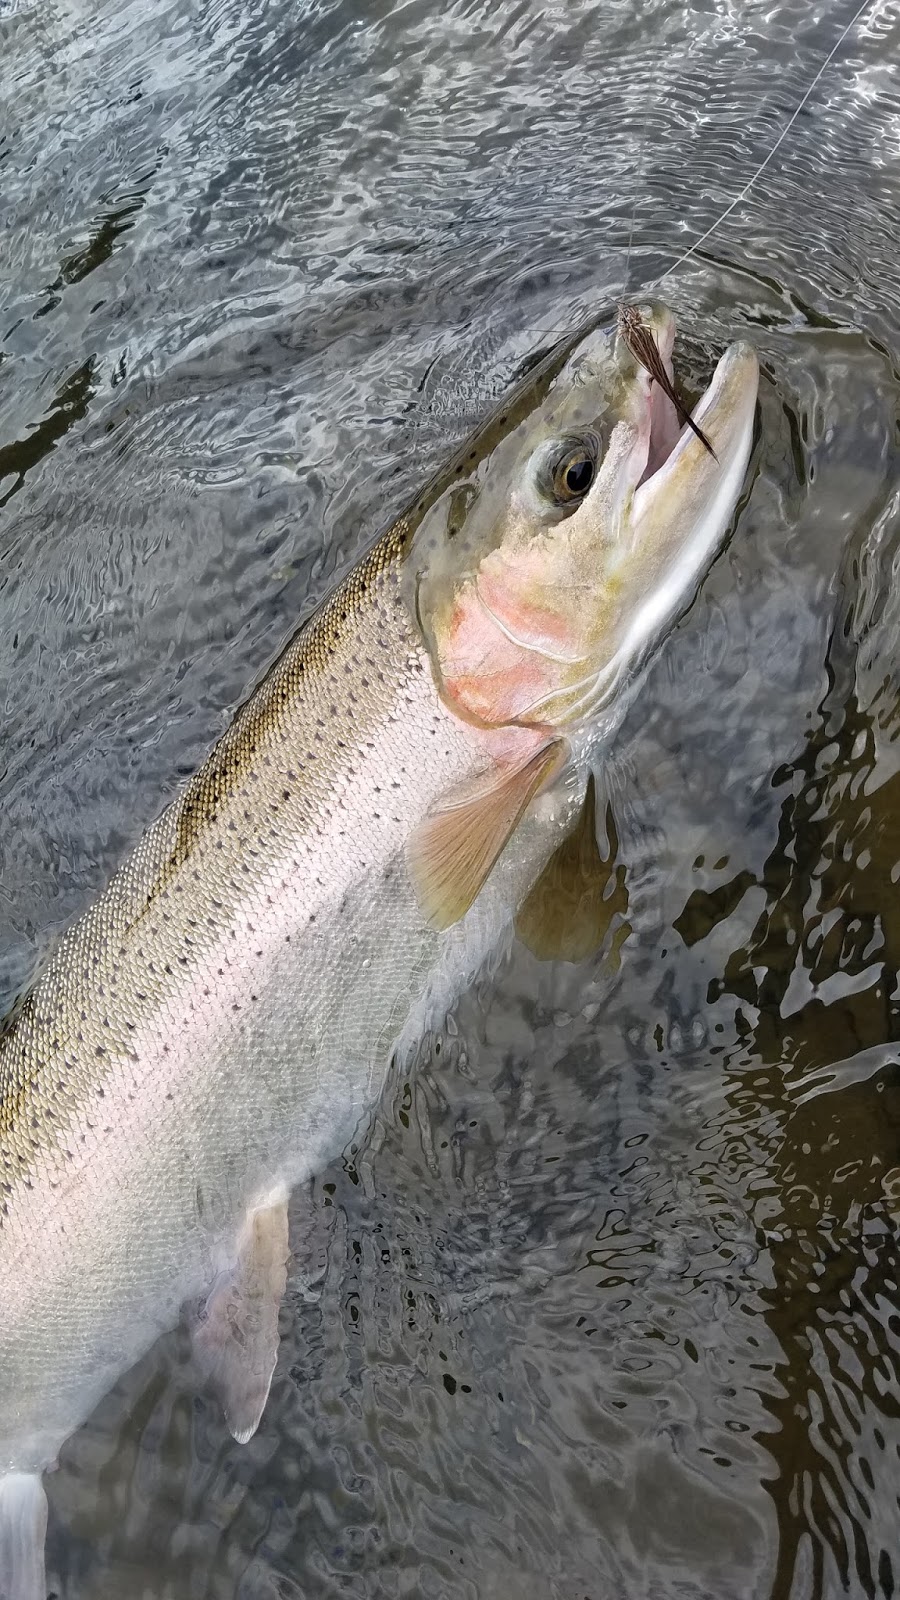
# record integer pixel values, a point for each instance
(643, 346)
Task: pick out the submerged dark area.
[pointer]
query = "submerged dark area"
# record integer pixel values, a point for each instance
(607, 1304)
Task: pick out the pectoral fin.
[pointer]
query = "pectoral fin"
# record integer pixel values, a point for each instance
(23, 1525)
(453, 851)
(567, 914)
(236, 1333)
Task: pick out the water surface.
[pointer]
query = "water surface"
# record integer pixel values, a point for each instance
(607, 1305)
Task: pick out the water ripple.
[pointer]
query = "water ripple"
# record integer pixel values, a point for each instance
(608, 1303)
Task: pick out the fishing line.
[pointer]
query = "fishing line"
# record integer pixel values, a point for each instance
(629, 321)
(638, 180)
(755, 176)
(748, 186)
(732, 206)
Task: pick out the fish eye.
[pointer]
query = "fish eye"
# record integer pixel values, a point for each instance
(570, 471)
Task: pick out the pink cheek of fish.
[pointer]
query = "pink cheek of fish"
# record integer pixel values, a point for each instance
(486, 673)
(509, 594)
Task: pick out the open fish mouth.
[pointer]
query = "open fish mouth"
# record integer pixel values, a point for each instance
(717, 424)
(710, 451)
(679, 470)
(639, 340)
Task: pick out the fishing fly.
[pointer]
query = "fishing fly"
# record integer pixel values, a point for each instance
(643, 347)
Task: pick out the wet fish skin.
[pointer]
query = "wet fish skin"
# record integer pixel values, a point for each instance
(221, 1022)
(168, 1065)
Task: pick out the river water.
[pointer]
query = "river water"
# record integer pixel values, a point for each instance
(608, 1303)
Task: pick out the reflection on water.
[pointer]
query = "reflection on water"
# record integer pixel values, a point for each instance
(607, 1304)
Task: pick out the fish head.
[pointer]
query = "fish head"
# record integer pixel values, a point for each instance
(573, 535)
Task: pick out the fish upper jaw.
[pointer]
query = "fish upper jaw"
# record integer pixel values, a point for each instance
(680, 513)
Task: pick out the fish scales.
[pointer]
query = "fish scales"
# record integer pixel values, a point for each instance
(51, 1028)
(109, 1072)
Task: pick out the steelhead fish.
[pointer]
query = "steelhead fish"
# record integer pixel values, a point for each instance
(222, 1020)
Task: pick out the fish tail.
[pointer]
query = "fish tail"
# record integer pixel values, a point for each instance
(23, 1524)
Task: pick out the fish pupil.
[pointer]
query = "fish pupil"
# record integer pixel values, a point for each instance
(579, 475)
